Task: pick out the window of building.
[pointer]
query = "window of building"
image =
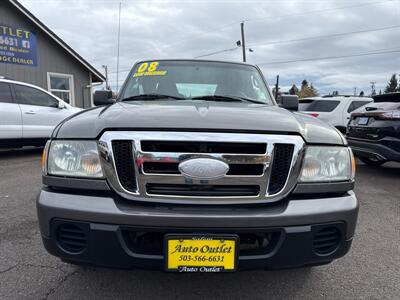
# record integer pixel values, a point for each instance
(61, 85)
(31, 96)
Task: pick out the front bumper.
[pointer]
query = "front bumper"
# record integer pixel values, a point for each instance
(106, 220)
(375, 150)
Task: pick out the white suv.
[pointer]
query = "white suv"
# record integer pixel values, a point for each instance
(334, 110)
(28, 114)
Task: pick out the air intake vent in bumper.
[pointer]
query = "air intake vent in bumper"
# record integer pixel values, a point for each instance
(71, 238)
(124, 163)
(326, 240)
(282, 160)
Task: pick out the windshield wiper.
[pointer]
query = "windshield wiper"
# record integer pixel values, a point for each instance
(226, 98)
(151, 97)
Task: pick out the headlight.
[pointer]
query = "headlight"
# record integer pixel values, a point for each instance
(325, 163)
(74, 159)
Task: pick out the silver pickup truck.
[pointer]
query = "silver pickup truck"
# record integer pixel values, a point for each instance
(195, 168)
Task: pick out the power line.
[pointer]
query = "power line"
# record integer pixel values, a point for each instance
(303, 39)
(317, 11)
(217, 52)
(120, 71)
(373, 52)
(271, 17)
(257, 19)
(324, 36)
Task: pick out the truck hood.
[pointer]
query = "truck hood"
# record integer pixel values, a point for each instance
(195, 115)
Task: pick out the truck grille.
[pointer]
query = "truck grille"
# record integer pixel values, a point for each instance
(123, 157)
(145, 166)
(204, 147)
(280, 167)
(172, 168)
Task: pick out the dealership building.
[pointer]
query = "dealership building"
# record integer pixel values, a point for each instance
(32, 53)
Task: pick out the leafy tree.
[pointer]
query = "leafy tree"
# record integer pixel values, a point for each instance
(306, 90)
(392, 84)
(294, 90)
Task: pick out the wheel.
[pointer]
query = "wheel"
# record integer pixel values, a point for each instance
(372, 162)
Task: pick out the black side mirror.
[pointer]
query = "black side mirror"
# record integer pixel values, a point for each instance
(102, 98)
(290, 102)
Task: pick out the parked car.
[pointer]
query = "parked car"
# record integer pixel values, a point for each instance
(195, 168)
(28, 114)
(374, 130)
(334, 110)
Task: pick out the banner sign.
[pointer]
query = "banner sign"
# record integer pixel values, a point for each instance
(17, 46)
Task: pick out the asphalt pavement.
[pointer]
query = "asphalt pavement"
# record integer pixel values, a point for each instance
(370, 271)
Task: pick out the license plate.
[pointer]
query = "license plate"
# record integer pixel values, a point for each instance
(201, 253)
(362, 121)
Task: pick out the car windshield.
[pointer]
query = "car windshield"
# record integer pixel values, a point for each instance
(318, 105)
(184, 80)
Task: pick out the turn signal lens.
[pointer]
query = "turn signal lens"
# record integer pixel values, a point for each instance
(353, 164)
(44, 157)
(90, 163)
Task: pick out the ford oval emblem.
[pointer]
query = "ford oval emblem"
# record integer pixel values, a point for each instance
(203, 168)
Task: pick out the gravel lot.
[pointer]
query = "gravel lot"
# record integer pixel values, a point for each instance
(370, 271)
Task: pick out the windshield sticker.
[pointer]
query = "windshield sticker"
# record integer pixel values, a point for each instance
(149, 69)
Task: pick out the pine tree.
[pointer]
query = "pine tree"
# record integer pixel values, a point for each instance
(392, 84)
(398, 86)
(294, 90)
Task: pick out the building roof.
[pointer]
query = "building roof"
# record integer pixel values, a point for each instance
(96, 75)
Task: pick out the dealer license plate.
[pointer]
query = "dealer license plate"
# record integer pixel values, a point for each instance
(201, 253)
(362, 121)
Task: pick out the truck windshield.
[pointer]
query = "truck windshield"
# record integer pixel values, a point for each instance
(181, 80)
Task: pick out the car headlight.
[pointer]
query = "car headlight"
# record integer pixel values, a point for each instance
(327, 163)
(74, 159)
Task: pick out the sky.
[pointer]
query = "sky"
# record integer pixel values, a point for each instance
(303, 39)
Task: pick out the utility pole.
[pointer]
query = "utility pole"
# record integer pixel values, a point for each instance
(276, 87)
(106, 73)
(119, 34)
(243, 43)
(355, 91)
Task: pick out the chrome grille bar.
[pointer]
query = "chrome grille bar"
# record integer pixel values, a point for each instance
(142, 178)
